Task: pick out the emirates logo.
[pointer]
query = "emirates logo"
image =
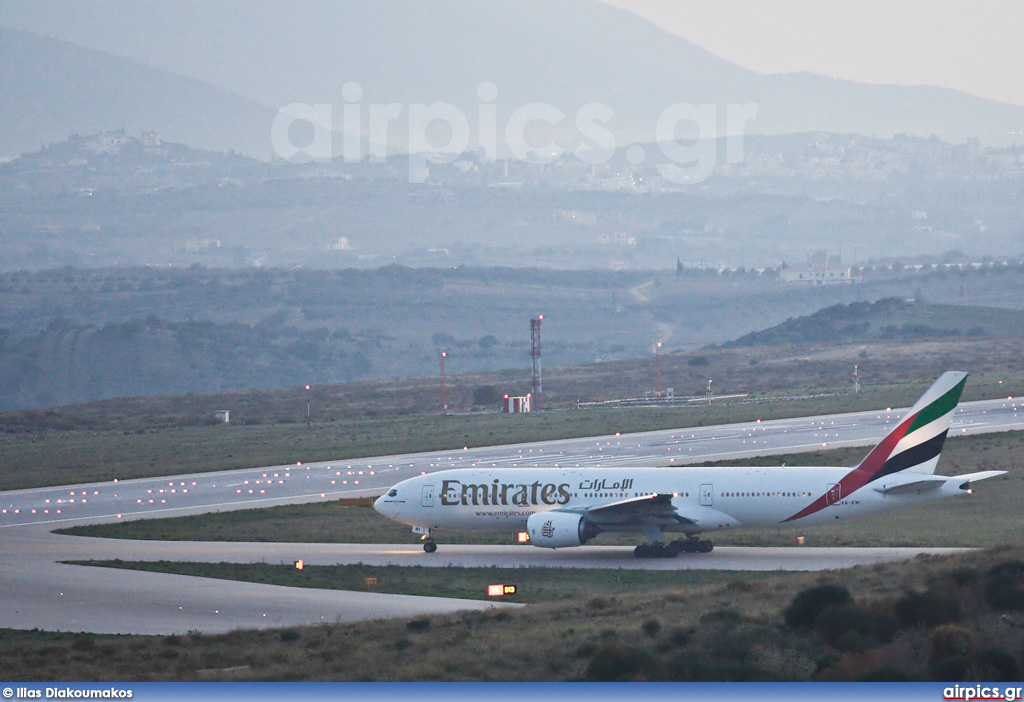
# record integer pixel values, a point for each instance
(548, 529)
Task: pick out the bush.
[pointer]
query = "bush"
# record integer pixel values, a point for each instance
(738, 643)
(807, 606)
(952, 669)
(927, 608)
(884, 673)
(486, 395)
(996, 665)
(727, 617)
(651, 627)
(287, 635)
(950, 640)
(420, 624)
(687, 667)
(964, 576)
(1004, 586)
(84, 642)
(851, 627)
(680, 637)
(614, 662)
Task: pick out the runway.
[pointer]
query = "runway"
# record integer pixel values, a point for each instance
(330, 480)
(40, 592)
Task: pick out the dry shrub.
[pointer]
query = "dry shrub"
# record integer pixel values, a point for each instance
(851, 666)
(807, 606)
(950, 640)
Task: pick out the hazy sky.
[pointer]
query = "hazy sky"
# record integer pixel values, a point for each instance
(975, 46)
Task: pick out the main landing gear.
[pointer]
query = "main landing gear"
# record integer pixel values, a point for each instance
(658, 549)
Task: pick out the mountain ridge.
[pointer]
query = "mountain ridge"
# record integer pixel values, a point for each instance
(567, 54)
(50, 89)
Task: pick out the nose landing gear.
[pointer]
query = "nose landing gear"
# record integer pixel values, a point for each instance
(429, 545)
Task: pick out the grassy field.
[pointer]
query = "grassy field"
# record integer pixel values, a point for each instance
(147, 437)
(729, 629)
(989, 517)
(535, 585)
(41, 458)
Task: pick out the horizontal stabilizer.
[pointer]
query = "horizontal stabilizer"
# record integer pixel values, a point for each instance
(966, 480)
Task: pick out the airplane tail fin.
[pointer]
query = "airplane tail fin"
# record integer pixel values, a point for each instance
(916, 442)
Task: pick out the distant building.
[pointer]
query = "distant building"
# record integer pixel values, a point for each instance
(106, 142)
(822, 269)
(223, 416)
(516, 404)
(617, 239)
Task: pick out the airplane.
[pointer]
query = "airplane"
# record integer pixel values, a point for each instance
(561, 508)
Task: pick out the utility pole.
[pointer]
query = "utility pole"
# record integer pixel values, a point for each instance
(444, 395)
(309, 418)
(657, 369)
(537, 382)
(709, 391)
(856, 381)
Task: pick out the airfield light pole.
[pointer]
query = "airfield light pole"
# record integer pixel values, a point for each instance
(709, 391)
(856, 381)
(309, 419)
(657, 369)
(444, 396)
(537, 384)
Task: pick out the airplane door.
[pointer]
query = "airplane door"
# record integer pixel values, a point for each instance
(707, 494)
(428, 496)
(834, 493)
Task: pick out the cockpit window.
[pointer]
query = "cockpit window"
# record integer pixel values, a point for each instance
(392, 493)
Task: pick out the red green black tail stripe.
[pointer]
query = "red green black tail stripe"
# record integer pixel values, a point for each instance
(881, 461)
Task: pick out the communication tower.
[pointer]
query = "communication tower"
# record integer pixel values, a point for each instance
(537, 384)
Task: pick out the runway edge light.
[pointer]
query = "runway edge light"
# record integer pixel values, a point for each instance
(299, 564)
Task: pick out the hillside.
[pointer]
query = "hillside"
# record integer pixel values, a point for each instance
(890, 319)
(75, 335)
(50, 89)
(568, 54)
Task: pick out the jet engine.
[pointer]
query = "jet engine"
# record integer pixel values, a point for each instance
(557, 529)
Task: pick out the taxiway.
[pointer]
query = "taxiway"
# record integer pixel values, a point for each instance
(42, 592)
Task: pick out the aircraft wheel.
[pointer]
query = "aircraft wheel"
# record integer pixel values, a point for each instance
(674, 549)
(705, 546)
(429, 546)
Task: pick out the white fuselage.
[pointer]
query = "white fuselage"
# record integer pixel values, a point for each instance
(715, 498)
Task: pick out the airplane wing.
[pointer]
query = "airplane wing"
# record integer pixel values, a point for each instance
(635, 510)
